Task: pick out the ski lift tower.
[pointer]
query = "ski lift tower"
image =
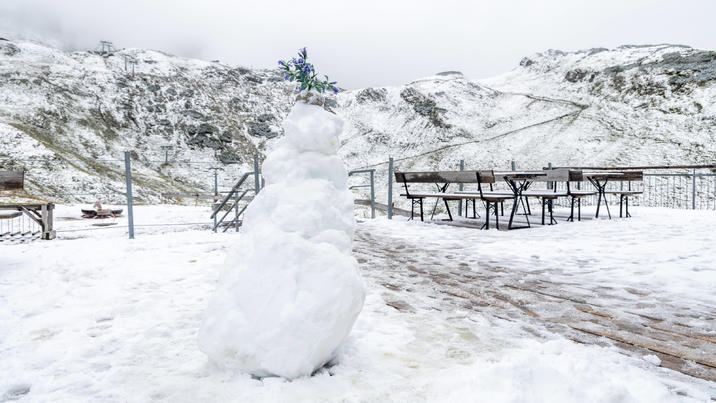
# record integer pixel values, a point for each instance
(129, 60)
(166, 153)
(106, 48)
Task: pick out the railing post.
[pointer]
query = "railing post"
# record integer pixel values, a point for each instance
(693, 190)
(236, 209)
(372, 194)
(216, 182)
(550, 185)
(257, 184)
(513, 165)
(390, 188)
(128, 177)
(459, 206)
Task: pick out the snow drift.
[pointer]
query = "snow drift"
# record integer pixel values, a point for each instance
(286, 304)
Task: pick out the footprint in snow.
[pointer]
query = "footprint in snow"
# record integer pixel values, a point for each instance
(16, 392)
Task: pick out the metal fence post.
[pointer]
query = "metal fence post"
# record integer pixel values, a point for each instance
(372, 194)
(257, 184)
(390, 188)
(128, 177)
(550, 185)
(513, 165)
(459, 206)
(236, 209)
(693, 190)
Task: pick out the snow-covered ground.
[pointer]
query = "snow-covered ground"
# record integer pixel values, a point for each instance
(93, 316)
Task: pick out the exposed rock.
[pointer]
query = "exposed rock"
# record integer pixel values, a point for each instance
(226, 137)
(206, 128)
(526, 61)
(165, 122)
(253, 79)
(154, 87)
(330, 104)
(265, 117)
(193, 114)
(424, 106)
(575, 75)
(228, 157)
(195, 140)
(8, 49)
(260, 129)
(211, 143)
(371, 95)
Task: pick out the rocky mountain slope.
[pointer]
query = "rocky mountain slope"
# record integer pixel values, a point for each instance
(67, 117)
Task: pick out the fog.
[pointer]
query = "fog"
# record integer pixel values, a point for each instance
(366, 43)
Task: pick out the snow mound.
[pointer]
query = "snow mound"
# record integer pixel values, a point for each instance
(285, 305)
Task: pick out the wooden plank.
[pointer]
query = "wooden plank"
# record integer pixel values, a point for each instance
(564, 175)
(8, 216)
(486, 176)
(12, 180)
(533, 176)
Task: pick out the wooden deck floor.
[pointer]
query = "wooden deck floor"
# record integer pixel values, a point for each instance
(581, 312)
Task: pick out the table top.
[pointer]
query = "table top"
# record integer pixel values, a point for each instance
(527, 175)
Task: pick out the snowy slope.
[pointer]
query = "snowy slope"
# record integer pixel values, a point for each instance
(71, 112)
(80, 323)
(68, 117)
(631, 105)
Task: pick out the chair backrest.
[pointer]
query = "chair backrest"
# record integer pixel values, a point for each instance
(12, 180)
(633, 176)
(564, 175)
(485, 176)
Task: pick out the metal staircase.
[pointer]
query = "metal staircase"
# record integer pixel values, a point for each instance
(231, 202)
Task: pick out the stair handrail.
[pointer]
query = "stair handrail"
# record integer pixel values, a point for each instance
(231, 208)
(233, 190)
(233, 222)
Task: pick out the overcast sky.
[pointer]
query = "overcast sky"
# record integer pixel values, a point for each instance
(368, 42)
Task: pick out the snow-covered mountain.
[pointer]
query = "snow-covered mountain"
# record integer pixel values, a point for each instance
(67, 118)
(75, 111)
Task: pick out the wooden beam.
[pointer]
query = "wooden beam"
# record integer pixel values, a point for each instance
(641, 168)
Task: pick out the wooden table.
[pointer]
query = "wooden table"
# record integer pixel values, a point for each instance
(518, 183)
(600, 180)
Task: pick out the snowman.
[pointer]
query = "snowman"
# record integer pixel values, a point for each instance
(291, 294)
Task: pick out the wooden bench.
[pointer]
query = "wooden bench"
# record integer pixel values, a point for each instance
(12, 180)
(624, 195)
(442, 179)
(40, 213)
(600, 180)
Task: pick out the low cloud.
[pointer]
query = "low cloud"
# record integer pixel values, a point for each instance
(367, 43)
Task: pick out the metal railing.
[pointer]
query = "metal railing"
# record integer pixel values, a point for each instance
(682, 186)
(238, 195)
(233, 193)
(371, 172)
(679, 190)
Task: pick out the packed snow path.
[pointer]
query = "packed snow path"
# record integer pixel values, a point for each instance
(450, 313)
(597, 283)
